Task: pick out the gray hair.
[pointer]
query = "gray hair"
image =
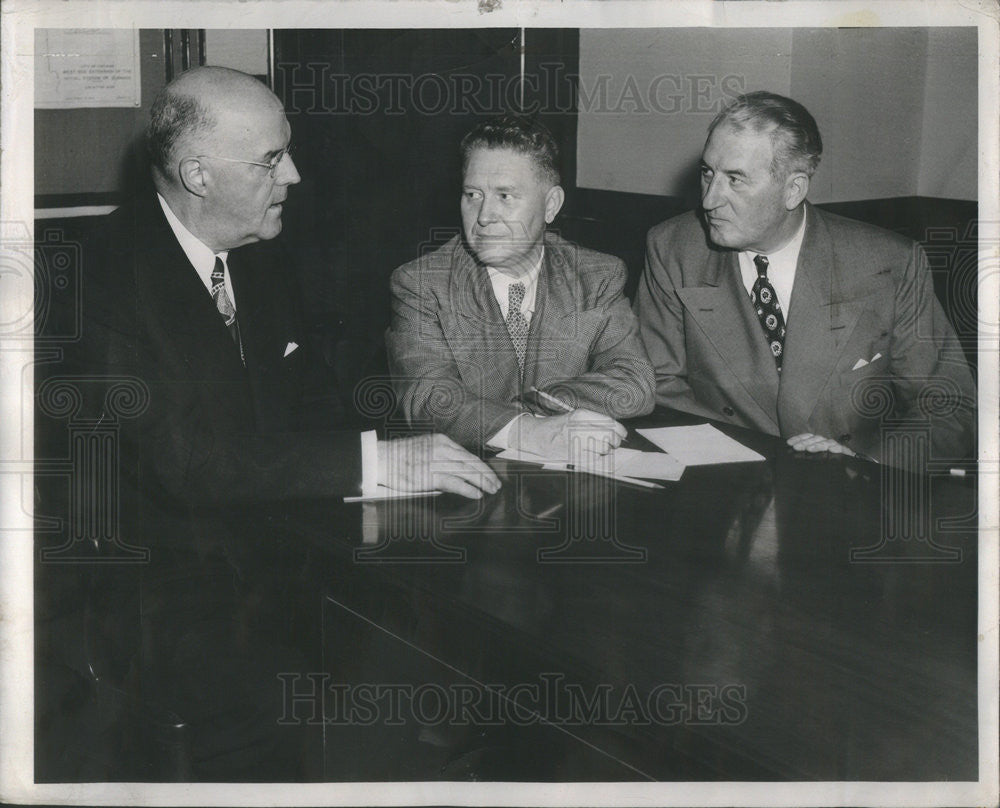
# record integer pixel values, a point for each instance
(173, 117)
(794, 134)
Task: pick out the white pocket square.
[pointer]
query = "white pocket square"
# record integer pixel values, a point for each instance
(291, 346)
(862, 362)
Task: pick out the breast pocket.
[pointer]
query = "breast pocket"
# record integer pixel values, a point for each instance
(292, 364)
(865, 385)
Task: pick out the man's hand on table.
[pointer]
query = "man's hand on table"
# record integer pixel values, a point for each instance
(428, 462)
(807, 442)
(573, 437)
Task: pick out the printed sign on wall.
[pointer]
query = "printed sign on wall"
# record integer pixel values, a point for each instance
(86, 67)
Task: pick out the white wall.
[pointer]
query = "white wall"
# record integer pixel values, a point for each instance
(948, 162)
(896, 106)
(682, 76)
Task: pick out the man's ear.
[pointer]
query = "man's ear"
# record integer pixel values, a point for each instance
(553, 202)
(194, 176)
(796, 189)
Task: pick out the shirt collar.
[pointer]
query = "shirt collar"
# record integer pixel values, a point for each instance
(786, 258)
(198, 253)
(501, 282)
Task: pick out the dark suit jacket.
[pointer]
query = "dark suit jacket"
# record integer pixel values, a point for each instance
(859, 292)
(453, 362)
(214, 432)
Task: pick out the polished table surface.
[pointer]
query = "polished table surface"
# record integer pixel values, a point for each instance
(808, 617)
(801, 618)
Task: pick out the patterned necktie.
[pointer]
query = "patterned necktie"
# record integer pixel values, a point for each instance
(517, 323)
(765, 302)
(225, 305)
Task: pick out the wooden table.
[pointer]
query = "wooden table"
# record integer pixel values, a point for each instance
(803, 618)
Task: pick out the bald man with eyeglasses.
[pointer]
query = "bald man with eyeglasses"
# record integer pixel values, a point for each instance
(187, 290)
(188, 297)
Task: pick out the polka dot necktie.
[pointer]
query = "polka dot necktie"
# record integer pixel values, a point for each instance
(225, 305)
(765, 303)
(517, 323)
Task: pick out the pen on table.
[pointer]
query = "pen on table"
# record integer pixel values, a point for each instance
(619, 477)
(845, 440)
(549, 511)
(954, 472)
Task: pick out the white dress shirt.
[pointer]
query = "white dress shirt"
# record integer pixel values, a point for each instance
(501, 283)
(780, 268)
(203, 260)
(198, 253)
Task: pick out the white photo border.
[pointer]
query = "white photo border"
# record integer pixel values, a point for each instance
(21, 17)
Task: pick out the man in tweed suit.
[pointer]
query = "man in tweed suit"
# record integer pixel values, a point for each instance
(509, 336)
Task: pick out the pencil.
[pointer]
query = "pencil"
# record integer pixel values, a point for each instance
(559, 404)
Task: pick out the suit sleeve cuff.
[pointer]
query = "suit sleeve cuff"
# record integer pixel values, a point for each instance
(369, 463)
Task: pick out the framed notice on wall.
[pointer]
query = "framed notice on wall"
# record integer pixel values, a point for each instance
(86, 67)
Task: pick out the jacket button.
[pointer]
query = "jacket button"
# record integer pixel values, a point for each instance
(728, 411)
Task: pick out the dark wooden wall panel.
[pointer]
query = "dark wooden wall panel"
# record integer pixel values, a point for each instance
(377, 116)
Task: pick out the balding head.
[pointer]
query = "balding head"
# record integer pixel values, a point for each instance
(219, 143)
(189, 112)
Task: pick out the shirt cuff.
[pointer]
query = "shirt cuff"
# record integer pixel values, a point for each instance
(369, 463)
(501, 440)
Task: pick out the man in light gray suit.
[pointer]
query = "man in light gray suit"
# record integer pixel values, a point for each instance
(766, 312)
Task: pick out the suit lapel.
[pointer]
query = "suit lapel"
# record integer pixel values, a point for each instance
(476, 332)
(722, 310)
(185, 313)
(267, 326)
(820, 324)
(264, 326)
(251, 296)
(553, 300)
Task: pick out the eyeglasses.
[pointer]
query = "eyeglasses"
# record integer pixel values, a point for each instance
(271, 165)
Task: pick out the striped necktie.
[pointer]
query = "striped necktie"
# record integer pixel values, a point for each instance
(225, 305)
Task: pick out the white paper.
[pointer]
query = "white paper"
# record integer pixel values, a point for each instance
(600, 472)
(619, 463)
(391, 493)
(699, 445)
(651, 465)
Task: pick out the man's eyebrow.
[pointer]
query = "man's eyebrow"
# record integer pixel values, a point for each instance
(276, 152)
(729, 172)
(702, 162)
